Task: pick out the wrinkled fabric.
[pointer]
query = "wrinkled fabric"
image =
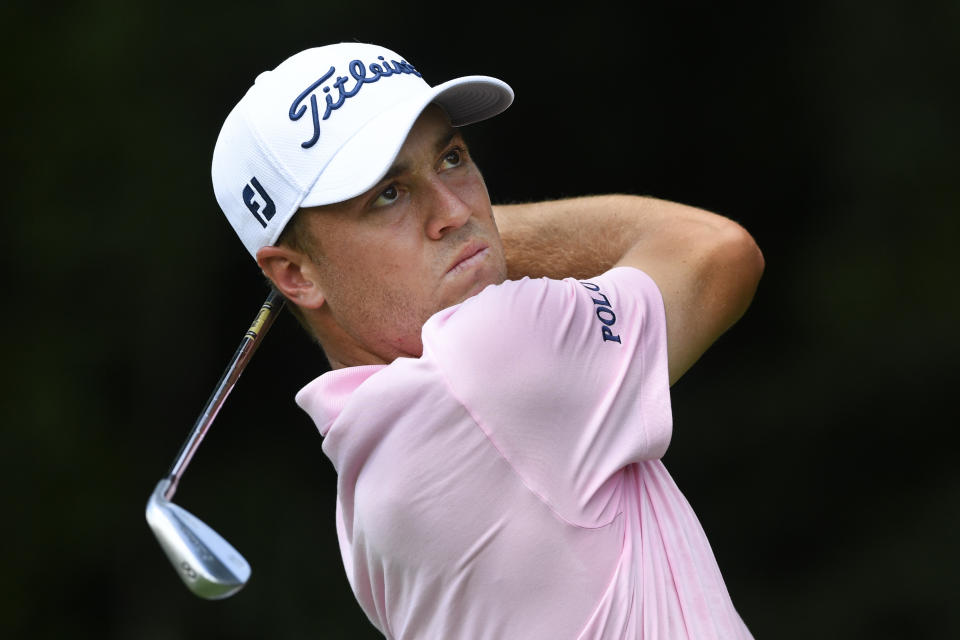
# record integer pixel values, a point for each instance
(508, 483)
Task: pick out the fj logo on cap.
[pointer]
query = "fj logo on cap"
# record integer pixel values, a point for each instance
(250, 192)
(359, 72)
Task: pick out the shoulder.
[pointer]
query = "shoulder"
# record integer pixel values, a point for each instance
(545, 366)
(529, 307)
(527, 329)
(500, 315)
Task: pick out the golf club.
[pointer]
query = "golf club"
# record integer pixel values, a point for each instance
(209, 566)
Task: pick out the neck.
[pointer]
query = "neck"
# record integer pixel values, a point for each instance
(341, 348)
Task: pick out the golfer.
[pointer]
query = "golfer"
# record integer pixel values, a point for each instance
(499, 400)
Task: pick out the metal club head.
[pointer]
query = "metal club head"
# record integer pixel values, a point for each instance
(208, 565)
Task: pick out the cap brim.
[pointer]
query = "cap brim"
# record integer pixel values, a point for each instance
(365, 158)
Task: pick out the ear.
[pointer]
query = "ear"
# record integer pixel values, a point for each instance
(293, 274)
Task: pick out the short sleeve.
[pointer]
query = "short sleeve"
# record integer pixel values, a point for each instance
(568, 379)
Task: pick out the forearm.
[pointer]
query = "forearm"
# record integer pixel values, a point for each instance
(583, 237)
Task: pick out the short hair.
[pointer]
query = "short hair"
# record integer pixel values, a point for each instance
(296, 235)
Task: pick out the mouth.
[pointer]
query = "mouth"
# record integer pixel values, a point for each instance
(472, 254)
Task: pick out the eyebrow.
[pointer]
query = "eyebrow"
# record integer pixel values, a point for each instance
(398, 168)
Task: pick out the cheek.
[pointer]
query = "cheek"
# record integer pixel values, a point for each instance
(370, 253)
(474, 190)
(376, 271)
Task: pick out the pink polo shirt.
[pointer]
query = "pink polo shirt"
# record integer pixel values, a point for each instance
(508, 483)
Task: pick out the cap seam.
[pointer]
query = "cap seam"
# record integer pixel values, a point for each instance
(268, 151)
(287, 175)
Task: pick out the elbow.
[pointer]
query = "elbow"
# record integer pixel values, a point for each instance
(748, 258)
(734, 272)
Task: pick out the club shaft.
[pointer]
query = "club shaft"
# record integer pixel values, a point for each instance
(251, 340)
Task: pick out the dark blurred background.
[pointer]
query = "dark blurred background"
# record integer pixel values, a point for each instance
(816, 440)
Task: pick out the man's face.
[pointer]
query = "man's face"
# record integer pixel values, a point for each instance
(421, 240)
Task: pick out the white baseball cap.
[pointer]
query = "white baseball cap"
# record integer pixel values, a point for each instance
(325, 126)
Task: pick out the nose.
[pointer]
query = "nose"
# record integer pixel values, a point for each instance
(446, 211)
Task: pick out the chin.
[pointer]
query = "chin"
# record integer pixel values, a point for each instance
(481, 283)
